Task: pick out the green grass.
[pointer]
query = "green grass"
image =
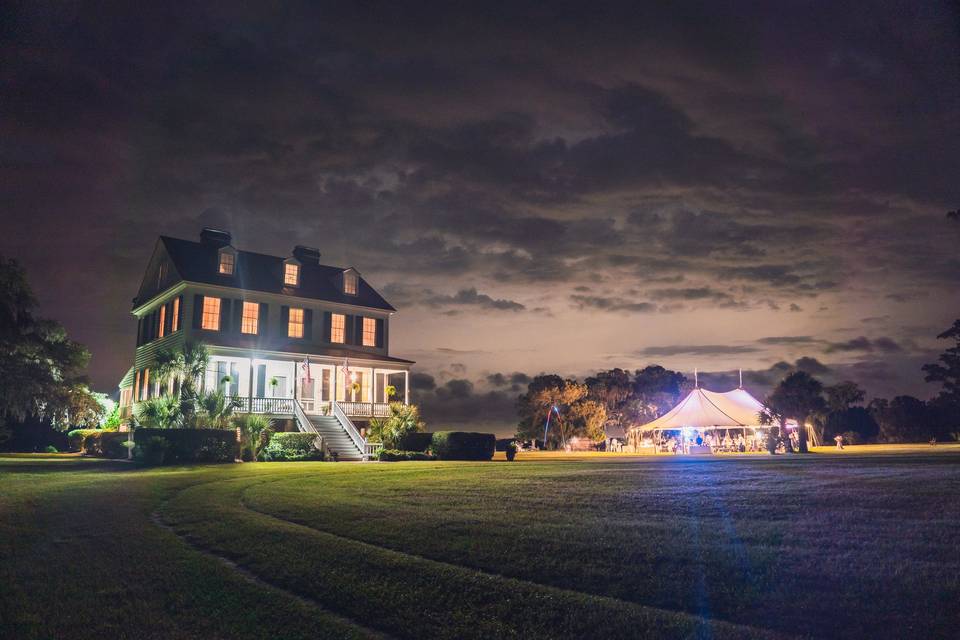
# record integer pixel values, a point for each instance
(820, 546)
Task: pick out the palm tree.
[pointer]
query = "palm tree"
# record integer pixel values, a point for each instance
(216, 409)
(403, 419)
(186, 365)
(164, 412)
(254, 427)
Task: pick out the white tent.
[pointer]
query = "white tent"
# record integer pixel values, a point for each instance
(703, 409)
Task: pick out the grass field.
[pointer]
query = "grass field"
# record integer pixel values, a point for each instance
(863, 544)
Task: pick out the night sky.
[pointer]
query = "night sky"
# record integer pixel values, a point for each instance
(563, 189)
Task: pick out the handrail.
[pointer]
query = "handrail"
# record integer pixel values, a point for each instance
(306, 425)
(349, 427)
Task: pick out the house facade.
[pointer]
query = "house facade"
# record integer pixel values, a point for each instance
(289, 337)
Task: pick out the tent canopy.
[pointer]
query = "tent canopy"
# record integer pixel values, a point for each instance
(702, 409)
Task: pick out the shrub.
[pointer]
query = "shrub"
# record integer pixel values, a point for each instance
(417, 441)
(190, 445)
(395, 455)
(154, 450)
(463, 445)
(98, 442)
(51, 449)
(290, 447)
(511, 450)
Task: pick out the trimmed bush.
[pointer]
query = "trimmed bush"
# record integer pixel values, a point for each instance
(290, 447)
(395, 455)
(417, 441)
(188, 445)
(97, 442)
(50, 449)
(511, 451)
(463, 445)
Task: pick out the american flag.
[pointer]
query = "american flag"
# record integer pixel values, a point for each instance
(306, 368)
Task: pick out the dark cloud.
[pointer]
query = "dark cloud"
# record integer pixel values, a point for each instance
(697, 350)
(862, 343)
(787, 340)
(470, 297)
(611, 304)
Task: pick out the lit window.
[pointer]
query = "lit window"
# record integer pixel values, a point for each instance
(251, 315)
(175, 320)
(291, 274)
(145, 395)
(295, 324)
(227, 260)
(350, 283)
(369, 332)
(338, 328)
(211, 314)
(163, 321)
(136, 388)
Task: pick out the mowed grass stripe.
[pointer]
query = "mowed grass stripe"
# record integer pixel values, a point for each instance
(407, 595)
(824, 547)
(80, 559)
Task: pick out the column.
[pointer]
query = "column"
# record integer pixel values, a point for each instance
(250, 389)
(373, 386)
(406, 387)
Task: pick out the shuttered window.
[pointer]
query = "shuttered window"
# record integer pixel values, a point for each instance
(175, 320)
(250, 318)
(163, 321)
(338, 328)
(369, 332)
(295, 323)
(211, 314)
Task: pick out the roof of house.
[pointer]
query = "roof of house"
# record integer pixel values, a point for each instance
(197, 262)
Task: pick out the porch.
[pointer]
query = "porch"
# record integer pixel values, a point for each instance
(361, 389)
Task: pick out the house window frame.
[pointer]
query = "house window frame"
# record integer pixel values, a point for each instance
(210, 314)
(338, 331)
(351, 283)
(369, 332)
(225, 258)
(293, 324)
(250, 322)
(291, 267)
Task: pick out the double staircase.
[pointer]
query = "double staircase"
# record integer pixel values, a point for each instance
(335, 438)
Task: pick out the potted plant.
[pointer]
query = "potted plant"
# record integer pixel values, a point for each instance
(390, 391)
(355, 388)
(273, 386)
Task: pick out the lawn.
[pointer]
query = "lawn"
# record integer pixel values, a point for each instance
(853, 545)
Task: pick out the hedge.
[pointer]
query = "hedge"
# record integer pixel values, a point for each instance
(463, 445)
(189, 445)
(291, 446)
(395, 455)
(416, 441)
(98, 442)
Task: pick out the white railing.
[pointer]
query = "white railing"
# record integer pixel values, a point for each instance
(306, 425)
(349, 427)
(366, 409)
(282, 406)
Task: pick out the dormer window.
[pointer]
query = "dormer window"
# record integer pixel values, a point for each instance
(350, 281)
(291, 274)
(228, 261)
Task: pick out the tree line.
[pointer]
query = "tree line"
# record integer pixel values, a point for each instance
(616, 400)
